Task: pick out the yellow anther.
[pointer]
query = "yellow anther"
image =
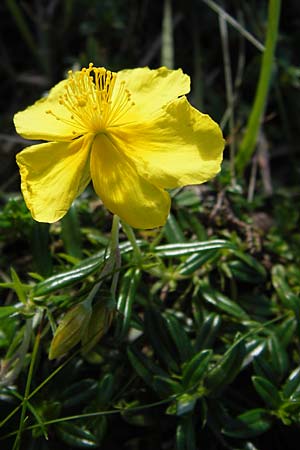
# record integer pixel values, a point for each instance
(81, 102)
(88, 97)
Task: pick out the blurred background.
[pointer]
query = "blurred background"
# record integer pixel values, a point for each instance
(41, 40)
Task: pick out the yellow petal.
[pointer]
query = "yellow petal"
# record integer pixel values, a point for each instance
(53, 175)
(35, 122)
(151, 89)
(122, 190)
(181, 146)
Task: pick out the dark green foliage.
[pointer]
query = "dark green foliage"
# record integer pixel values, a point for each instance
(193, 356)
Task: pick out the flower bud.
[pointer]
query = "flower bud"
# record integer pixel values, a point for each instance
(98, 325)
(70, 330)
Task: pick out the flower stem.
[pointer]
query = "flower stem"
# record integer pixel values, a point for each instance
(114, 243)
(131, 237)
(112, 263)
(17, 442)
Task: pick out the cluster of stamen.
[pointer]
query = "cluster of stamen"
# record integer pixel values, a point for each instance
(88, 97)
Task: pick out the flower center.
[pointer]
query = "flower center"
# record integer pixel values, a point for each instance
(89, 100)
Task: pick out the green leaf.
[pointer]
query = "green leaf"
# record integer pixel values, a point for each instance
(289, 411)
(286, 331)
(78, 393)
(267, 391)
(144, 366)
(165, 386)
(70, 277)
(185, 435)
(263, 368)
(179, 337)
(226, 369)
(195, 369)
(6, 311)
(249, 424)
(292, 383)
(105, 390)
(157, 330)
(193, 262)
(76, 435)
(286, 295)
(128, 288)
(254, 348)
(257, 305)
(278, 355)
(18, 286)
(78, 273)
(172, 230)
(222, 302)
(187, 197)
(208, 331)
(169, 250)
(242, 272)
(251, 263)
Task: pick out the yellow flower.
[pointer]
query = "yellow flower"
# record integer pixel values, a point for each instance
(133, 133)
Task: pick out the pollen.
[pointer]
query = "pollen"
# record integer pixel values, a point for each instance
(90, 101)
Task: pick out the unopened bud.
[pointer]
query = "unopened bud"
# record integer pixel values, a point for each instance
(70, 330)
(99, 323)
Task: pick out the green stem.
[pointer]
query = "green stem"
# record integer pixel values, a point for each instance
(248, 143)
(35, 391)
(114, 243)
(17, 442)
(115, 253)
(112, 263)
(229, 93)
(167, 44)
(131, 237)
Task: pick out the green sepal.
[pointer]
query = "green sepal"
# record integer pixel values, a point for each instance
(99, 323)
(70, 330)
